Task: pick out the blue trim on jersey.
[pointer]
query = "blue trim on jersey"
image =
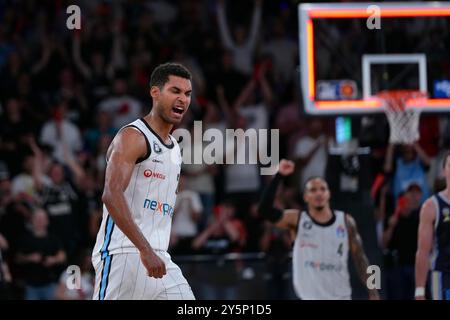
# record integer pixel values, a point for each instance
(108, 234)
(105, 275)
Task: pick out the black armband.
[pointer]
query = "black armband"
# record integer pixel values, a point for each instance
(266, 208)
(273, 215)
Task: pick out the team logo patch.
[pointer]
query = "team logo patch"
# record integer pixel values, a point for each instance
(156, 147)
(307, 225)
(446, 214)
(340, 231)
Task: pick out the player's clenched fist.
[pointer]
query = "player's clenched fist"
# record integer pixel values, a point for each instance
(286, 167)
(156, 268)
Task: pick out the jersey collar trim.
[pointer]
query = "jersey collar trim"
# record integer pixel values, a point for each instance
(169, 146)
(322, 224)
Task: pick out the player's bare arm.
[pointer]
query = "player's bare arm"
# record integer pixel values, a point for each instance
(128, 146)
(359, 257)
(424, 245)
(288, 218)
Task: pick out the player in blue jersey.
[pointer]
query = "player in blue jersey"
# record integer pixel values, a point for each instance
(434, 243)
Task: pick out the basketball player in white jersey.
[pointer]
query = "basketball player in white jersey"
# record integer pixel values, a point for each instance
(323, 239)
(143, 167)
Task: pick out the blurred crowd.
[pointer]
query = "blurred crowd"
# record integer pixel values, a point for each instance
(65, 93)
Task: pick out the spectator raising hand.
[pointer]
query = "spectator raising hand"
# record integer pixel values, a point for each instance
(243, 45)
(224, 232)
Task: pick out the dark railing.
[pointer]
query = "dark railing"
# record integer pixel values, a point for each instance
(241, 276)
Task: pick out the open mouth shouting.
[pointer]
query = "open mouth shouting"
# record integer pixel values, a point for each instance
(177, 111)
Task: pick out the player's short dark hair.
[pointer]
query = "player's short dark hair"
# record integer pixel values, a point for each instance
(313, 178)
(446, 155)
(161, 74)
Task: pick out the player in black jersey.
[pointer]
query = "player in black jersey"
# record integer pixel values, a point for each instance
(434, 241)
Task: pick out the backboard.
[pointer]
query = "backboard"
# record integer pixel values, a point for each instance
(351, 51)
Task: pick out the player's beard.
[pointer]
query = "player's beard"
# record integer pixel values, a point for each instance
(319, 208)
(166, 118)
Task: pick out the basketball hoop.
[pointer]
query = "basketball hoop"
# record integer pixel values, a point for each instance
(403, 122)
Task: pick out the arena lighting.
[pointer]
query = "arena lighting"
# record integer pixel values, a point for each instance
(374, 103)
(311, 80)
(384, 13)
(435, 103)
(360, 10)
(357, 104)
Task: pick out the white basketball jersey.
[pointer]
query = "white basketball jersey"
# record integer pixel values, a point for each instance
(150, 195)
(320, 255)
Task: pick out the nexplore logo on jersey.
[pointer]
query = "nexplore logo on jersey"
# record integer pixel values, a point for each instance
(323, 266)
(152, 174)
(159, 207)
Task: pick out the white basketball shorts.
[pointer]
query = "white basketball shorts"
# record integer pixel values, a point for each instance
(124, 277)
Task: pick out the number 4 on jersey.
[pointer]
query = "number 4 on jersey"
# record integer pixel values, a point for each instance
(340, 249)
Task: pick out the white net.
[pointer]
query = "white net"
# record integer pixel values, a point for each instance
(403, 122)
